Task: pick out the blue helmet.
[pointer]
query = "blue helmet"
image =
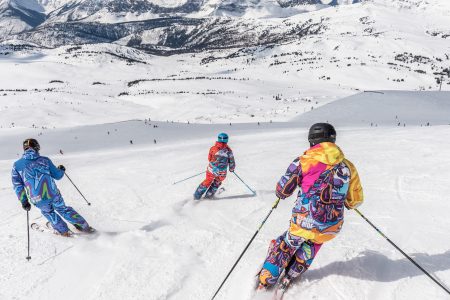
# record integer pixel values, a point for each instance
(223, 138)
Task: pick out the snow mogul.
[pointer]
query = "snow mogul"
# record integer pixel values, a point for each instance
(33, 180)
(220, 158)
(328, 183)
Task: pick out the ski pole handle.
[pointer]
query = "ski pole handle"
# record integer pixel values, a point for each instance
(275, 205)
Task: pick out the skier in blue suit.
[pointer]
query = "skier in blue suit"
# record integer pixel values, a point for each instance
(33, 180)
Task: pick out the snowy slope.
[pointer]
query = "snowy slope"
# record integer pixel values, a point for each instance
(155, 243)
(30, 5)
(107, 83)
(261, 72)
(51, 5)
(400, 109)
(19, 15)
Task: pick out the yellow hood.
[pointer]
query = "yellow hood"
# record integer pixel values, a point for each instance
(327, 153)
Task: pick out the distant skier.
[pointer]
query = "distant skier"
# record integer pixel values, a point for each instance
(328, 183)
(220, 158)
(33, 180)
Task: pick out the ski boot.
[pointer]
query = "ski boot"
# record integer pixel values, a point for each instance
(211, 191)
(199, 192)
(271, 246)
(50, 228)
(88, 229)
(66, 234)
(282, 287)
(261, 287)
(209, 194)
(262, 280)
(284, 283)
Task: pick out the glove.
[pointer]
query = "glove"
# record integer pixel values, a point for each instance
(61, 167)
(279, 195)
(26, 206)
(232, 170)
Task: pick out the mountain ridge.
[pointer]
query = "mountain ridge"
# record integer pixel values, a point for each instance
(29, 15)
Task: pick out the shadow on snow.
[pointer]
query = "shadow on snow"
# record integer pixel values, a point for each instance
(374, 266)
(232, 197)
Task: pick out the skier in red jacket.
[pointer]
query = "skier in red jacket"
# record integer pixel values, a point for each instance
(220, 158)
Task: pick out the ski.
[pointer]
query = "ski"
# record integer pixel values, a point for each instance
(219, 191)
(91, 230)
(212, 197)
(262, 292)
(48, 228)
(278, 290)
(281, 288)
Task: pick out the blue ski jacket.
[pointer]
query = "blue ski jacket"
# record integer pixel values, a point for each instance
(33, 178)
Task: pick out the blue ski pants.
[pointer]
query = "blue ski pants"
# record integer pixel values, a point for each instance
(55, 208)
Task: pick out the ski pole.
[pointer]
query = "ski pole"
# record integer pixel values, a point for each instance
(88, 203)
(189, 178)
(28, 233)
(254, 193)
(402, 252)
(246, 247)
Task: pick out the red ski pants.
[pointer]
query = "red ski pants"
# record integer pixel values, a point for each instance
(210, 177)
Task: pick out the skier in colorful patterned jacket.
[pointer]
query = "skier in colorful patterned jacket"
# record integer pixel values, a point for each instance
(329, 183)
(220, 158)
(33, 180)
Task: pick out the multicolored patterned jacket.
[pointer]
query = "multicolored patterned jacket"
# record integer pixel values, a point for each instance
(220, 156)
(328, 182)
(33, 178)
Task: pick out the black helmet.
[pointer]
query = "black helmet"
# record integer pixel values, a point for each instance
(321, 132)
(31, 143)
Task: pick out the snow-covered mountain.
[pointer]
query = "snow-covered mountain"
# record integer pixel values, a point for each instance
(59, 12)
(19, 15)
(51, 5)
(301, 62)
(120, 11)
(162, 27)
